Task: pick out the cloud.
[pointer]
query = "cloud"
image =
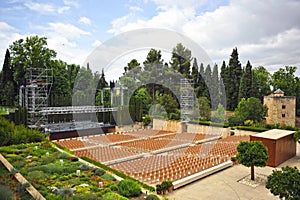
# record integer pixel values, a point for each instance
(96, 43)
(45, 8)
(265, 32)
(8, 34)
(64, 39)
(66, 30)
(136, 9)
(85, 20)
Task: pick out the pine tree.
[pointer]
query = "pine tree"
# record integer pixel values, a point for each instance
(234, 75)
(181, 60)
(245, 90)
(214, 92)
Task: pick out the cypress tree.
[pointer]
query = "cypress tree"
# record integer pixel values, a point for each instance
(7, 84)
(201, 82)
(195, 73)
(214, 93)
(245, 90)
(234, 74)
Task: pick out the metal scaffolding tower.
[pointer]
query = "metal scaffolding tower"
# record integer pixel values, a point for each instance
(34, 95)
(186, 99)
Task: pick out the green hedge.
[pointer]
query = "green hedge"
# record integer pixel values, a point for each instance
(208, 123)
(251, 128)
(150, 188)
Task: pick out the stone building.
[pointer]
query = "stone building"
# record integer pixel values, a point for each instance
(281, 109)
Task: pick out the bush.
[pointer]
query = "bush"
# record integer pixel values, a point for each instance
(129, 188)
(113, 196)
(84, 196)
(98, 172)
(113, 187)
(108, 177)
(250, 128)
(53, 197)
(152, 197)
(6, 193)
(84, 167)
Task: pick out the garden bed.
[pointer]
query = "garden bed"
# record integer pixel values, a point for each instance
(57, 175)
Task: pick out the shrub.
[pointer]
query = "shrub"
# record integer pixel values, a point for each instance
(129, 188)
(98, 172)
(6, 193)
(84, 167)
(108, 177)
(250, 128)
(84, 196)
(113, 196)
(113, 187)
(152, 197)
(53, 197)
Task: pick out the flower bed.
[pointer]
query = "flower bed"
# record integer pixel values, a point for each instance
(57, 175)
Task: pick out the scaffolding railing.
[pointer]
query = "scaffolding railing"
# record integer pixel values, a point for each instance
(186, 99)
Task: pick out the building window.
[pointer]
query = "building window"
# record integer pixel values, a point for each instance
(283, 106)
(283, 115)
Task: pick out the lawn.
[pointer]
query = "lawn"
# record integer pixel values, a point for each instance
(57, 175)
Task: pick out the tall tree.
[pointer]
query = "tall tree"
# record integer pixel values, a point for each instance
(215, 88)
(245, 90)
(30, 53)
(201, 86)
(224, 81)
(195, 73)
(132, 69)
(208, 82)
(181, 60)
(7, 89)
(285, 80)
(251, 154)
(261, 83)
(234, 74)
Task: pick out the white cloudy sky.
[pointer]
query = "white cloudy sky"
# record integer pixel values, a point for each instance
(265, 32)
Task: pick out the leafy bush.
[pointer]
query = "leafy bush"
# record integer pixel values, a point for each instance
(152, 197)
(108, 177)
(113, 196)
(84, 167)
(129, 188)
(84, 196)
(113, 187)
(6, 193)
(17, 134)
(53, 197)
(37, 174)
(98, 172)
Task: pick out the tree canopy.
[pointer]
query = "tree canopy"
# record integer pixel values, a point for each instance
(252, 154)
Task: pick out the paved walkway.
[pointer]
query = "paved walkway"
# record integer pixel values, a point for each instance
(224, 185)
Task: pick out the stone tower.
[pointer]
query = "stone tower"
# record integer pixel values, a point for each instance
(281, 109)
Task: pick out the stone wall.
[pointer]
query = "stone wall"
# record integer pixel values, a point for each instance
(175, 126)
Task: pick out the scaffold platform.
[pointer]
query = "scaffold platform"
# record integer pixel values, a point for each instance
(75, 109)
